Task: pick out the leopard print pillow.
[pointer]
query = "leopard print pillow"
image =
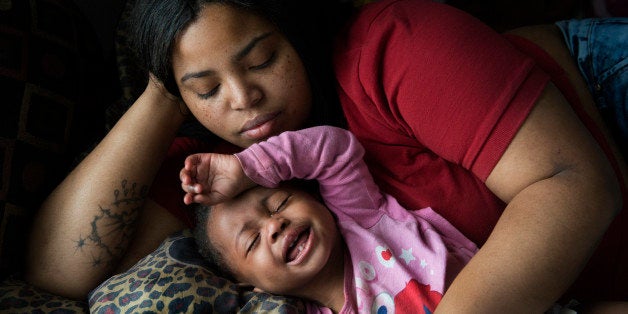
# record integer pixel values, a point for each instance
(17, 296)
(175, 278)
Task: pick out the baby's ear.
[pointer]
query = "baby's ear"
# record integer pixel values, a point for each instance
(246, 286)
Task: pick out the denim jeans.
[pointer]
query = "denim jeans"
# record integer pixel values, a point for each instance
(600, 47)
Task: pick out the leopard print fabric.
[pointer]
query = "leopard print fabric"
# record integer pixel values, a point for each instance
(176, 279)
(17, 296)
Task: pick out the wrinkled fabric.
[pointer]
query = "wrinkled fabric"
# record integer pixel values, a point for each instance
(600, 47)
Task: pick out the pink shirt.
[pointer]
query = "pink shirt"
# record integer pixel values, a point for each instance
(398, 259)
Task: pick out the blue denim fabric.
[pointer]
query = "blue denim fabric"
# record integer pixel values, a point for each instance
(600, 47)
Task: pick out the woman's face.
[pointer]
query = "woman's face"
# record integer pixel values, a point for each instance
(239, 76)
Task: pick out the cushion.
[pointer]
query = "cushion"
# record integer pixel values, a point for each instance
(17, 296)
(175, 278)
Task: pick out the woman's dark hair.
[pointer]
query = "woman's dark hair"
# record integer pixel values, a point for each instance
(309, 25)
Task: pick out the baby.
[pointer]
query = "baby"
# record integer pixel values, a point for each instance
(360, 251)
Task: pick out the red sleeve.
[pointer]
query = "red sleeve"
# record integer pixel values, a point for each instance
(440, 77)
(166, 189)
(435, 97)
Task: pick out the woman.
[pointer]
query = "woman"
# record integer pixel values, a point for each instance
(523, 163)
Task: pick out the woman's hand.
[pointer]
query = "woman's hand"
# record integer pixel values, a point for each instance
(212, 178)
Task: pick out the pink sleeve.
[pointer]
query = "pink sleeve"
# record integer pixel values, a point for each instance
(331, 155)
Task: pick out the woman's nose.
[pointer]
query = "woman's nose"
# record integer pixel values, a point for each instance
(244, 94)
(275, 226)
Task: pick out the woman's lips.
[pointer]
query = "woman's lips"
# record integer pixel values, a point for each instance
(259, 127)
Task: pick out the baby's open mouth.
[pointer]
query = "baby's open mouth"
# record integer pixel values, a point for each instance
(297, 246)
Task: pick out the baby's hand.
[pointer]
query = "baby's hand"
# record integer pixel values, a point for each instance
(212, 178)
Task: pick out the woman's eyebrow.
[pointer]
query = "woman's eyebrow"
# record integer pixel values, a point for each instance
(244, 51)
(237, 57)
(188, 76)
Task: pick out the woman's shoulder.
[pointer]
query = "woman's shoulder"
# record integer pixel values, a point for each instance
(398, 10)
(378, 23)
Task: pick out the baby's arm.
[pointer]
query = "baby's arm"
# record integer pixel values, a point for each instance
(330, 155)
(212, 178)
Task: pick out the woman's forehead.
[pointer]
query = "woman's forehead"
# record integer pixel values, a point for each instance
(223, 22)
(219, 34)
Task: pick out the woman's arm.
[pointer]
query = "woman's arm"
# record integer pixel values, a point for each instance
(562, 194)
(549, 38)
(154, 224)
(86, 224)
(451, 95)
(560, 188)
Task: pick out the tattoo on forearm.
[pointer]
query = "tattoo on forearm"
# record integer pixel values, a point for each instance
(112, 228)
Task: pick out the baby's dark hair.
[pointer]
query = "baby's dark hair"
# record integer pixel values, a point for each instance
(205, 247)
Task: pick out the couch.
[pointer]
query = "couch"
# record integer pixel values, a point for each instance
(65, 83)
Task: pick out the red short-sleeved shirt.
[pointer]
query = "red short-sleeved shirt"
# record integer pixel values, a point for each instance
(435, 97)
(434, 106)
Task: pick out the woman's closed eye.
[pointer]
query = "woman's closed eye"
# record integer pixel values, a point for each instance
(266, 63)
(261, 66)
(210, 93)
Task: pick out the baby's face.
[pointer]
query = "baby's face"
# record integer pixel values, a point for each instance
(277, 240)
